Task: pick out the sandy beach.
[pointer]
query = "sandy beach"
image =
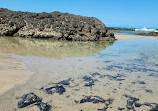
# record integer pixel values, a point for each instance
(126, 37)
(12, 72)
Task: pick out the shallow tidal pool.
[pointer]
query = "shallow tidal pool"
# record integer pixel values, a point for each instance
(84, 76)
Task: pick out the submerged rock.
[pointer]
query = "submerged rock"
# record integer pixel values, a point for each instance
(116, 77)
(153, 75)
(28, 99)
(139, 82)
(148, 91)
(56, 25)
(95, 74)
(44, 106)
(65, 82)
(55, 89)
(155, 108)
(137, 104)
(91, 83)
(87, 78)
(131, 101)
(92, 99)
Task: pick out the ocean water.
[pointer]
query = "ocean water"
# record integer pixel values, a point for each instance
(102, 76)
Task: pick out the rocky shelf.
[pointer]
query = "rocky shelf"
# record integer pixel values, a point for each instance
(56, 25)
(149, 34)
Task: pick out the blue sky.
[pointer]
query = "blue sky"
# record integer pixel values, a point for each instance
(119, 13)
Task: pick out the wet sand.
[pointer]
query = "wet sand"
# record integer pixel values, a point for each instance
(126, 37)
(12, 72)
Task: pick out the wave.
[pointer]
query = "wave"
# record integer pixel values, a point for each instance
(146, 30)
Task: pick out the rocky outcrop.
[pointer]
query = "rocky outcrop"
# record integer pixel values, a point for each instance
(149, 34)
(56, 25)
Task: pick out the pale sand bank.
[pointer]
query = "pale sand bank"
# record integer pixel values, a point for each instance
(126, 37)
(12, 72)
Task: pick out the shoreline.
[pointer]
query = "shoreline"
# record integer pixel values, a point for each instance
(12, 73)
(127, 37)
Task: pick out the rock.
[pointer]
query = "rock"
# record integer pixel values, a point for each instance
(137, 104)
(148, 91)
(116, 77)
(121, 108)
(107, 61)
(55, 89)
(87, 78)
(130, 102)
(95, 74)
(28, 99)
(65, 82)
(139, 82)
(44, 106)
(155, 108)
(92, 99)
(56, 25)
(149, 34)
(90, 84)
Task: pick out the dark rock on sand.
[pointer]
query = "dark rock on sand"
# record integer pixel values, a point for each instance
(155, 108)
(28, 99)
(116, 77)
(130, 102)
(107, 61)
(44, 106)
(65, 82)
(113, 67)
(121, 108)
(95, 74)
(91, 83)
(87, 78)
(139, 82)
(107, 103)
(93, 99)
(148, 91)
(56, 25)
(137, 104)
(55, 89)
(90, 80)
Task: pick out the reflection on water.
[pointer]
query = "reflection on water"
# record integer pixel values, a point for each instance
(123, 76)
(145, 49)
(50, 48)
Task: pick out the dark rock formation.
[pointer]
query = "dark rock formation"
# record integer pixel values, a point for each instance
(91, 83)
(149, 34)
(56, 25)
(55, 89)
(31, 98)
(95, 74)
(87, 78)
(93, 99)
(28, 99)
(44, 106)
(65, 82)
(131, 101)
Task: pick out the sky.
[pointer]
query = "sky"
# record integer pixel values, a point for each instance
(113, 13)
